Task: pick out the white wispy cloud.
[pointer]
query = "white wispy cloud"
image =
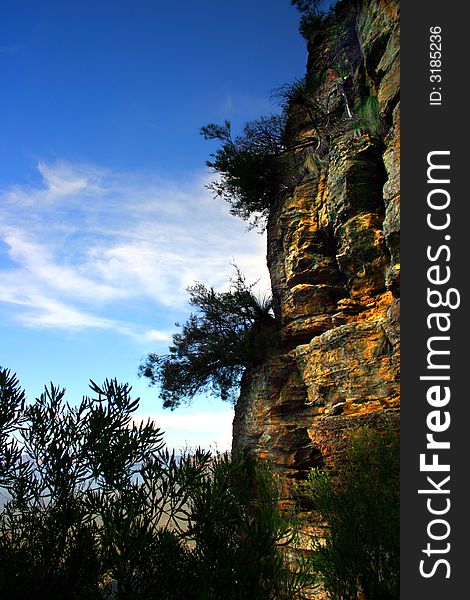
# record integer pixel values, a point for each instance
(63, 180)
(87, 242)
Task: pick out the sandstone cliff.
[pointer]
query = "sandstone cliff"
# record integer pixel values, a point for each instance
(333, 252)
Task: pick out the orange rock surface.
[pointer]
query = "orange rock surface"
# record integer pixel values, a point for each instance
(333, 255)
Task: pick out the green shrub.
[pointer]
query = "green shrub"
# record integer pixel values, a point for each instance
(361, 507)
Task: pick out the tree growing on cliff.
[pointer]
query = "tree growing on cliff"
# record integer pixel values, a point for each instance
(313, 14)
(249, 166)
(229, 332)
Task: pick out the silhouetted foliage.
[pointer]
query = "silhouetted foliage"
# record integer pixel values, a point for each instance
(238, 531)
(361, 505)
(97, 507)
(249, 165)
(12, 399)
(85, 493)
(229, 332)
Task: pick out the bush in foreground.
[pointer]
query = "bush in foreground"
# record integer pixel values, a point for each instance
(361, 505)
(98, 508)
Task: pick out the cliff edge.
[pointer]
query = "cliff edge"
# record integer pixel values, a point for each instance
(333, 252)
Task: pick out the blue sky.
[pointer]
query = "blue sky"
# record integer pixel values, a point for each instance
(104, 217)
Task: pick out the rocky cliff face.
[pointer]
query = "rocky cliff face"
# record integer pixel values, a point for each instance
(333, 252)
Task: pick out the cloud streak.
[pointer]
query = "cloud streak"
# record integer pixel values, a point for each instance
(86, 247)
